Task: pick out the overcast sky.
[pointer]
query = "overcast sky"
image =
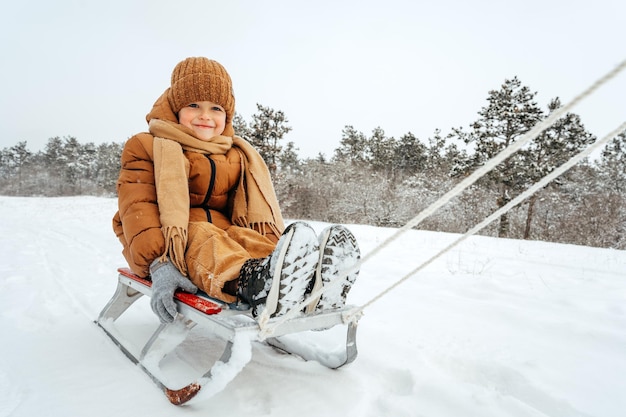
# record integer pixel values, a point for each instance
(93, 69)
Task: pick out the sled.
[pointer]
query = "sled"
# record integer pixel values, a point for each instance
(226, 321)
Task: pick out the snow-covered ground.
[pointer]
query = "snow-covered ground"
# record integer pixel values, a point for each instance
(493, 328)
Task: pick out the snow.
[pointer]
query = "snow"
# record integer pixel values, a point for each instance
(493, 328)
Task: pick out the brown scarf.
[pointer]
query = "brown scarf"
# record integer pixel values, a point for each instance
(255, 203)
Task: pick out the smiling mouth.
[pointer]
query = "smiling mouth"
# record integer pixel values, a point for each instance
(205, 126)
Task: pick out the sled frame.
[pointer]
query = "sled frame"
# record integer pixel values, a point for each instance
(221, 320)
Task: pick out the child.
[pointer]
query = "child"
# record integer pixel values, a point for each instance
(197, 209)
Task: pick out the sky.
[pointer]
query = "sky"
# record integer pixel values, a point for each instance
(93, 69)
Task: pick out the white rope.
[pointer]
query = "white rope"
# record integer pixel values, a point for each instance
(267, 328)
(498, 213)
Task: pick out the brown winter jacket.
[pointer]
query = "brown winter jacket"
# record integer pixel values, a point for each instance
(212, 181)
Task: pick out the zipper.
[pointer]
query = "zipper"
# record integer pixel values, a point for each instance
(210, 190)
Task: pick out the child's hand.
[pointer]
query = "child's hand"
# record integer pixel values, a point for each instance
(166, 278)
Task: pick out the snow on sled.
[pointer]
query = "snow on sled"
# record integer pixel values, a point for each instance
(235, 327)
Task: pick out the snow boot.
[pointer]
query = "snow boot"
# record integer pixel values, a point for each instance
(255, 281)
(279, 281)
(339, 251)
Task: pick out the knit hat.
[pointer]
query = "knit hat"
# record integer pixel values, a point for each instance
(201, 79)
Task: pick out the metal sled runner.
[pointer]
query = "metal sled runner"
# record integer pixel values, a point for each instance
(224, 322)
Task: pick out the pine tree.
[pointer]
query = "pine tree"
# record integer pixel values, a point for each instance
(71, 156)
(267, 129)
(15, 162)
(613, 164)
(551, 149)
(289, 158)
(381, 152)
(107, 165)
(241, 127)
(55, 165)
(612, 168)
(352, 146)
(409, 154)
(510, 114)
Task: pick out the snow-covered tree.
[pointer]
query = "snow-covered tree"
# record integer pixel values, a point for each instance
(409, 154)
(511, 112)
(288, 158)
(381, 151)
(613, 164)
(612, 168)
(240, 126)
(551, 149)
(107, 165)
(352, 146)
(267, 129)
(15, 161)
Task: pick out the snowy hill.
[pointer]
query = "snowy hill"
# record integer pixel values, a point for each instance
(494, 328)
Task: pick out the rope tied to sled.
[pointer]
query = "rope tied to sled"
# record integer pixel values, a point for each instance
(267, 328)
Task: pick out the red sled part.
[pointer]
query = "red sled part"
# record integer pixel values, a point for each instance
(192, 300)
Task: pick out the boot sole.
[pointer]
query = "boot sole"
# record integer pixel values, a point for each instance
(295, 268)
(339, 252)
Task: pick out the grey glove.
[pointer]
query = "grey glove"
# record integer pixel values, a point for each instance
(166, 278)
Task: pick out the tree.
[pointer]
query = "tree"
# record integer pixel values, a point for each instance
(55, 164)
(551, 149)
(73, 162)
(240, 126)
(510, 114)
(108, 165)
(289, 158)
(352, 146)
(14, 163)
(613, 164)
(267, 129)
(612, 167)
(410, 154)
(381, 151)
(440, 160)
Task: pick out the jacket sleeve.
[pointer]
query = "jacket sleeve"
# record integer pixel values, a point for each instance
(137, 223)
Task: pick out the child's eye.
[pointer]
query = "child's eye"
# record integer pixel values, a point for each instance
(194, 105)
(217, 108)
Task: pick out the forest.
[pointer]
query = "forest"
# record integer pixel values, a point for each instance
(385, 181)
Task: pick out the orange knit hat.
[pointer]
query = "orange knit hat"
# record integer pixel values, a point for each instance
(201, 79)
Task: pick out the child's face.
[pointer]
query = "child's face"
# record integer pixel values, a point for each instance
(205, 118)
